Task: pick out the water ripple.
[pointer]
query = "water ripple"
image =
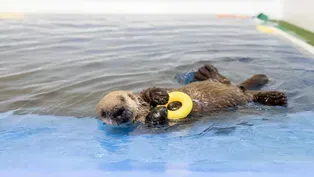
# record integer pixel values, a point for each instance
(63, 66)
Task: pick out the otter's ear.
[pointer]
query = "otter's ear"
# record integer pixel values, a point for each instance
(243, 89)
(121, 98)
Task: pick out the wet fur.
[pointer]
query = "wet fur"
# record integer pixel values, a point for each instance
(127, 99)
(213, 92)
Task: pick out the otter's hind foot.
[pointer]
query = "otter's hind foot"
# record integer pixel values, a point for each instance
(271, 98)
(255, 82)
(209, 72)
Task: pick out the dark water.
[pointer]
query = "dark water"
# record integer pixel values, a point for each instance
(56, 68)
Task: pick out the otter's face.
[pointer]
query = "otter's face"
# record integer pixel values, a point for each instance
(118, 108)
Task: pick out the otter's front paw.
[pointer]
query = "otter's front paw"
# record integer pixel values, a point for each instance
(271, 98)
(156, 96)
(157, 117)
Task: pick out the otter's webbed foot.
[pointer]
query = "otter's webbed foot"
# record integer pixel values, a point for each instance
(155, 96)
(271, 98)
(209, 72)
(255, 82)
(157, 117)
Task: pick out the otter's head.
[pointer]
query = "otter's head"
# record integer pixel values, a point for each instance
(119, 108)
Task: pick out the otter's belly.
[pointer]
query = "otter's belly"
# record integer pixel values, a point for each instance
(210, 96)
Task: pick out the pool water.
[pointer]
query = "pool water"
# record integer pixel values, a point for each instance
(54, 69)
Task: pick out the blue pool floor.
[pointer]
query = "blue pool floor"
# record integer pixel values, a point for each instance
(244, 145)
(55, 69)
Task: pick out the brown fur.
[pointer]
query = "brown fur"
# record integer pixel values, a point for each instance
(210, 96)
(123, 98)
(212, 93)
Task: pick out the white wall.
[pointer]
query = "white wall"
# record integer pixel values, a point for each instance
(300, 12)
(242, 7)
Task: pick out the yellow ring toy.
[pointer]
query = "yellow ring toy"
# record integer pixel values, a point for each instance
(186, 108)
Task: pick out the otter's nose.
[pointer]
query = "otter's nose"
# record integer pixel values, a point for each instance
(122, 115)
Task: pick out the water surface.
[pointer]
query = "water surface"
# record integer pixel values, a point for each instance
(54, 69)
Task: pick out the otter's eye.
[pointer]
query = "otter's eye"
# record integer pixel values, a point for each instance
(103, 114)
(122, 99)
(131, 96)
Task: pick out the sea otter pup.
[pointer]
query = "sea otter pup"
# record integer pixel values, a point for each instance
(210, 92)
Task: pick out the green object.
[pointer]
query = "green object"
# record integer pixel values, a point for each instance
(262, 17)
(308, 36)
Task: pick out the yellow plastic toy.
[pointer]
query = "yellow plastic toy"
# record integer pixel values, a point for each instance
(11, 16)
(264, 29)
(186, 108)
